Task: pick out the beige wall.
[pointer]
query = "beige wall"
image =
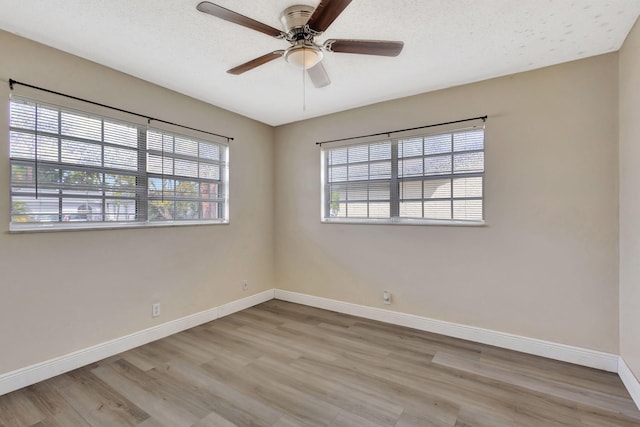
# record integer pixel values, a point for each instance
(64, 291)
(546, 266)
(630, 200)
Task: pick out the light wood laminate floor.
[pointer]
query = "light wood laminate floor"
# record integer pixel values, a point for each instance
(283, 364)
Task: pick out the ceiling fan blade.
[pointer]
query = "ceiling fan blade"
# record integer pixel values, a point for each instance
(250, 65)
(326, 12)
(318, 75)
(236, 18)
(365, 47)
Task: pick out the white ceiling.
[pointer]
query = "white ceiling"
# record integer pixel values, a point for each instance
(447, 43)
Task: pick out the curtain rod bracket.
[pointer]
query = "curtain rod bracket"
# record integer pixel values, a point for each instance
(11, 82)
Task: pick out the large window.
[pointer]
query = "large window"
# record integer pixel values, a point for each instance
(71, 169)
(436, 177)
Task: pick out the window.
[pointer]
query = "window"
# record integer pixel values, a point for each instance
(185, 178)
(437, 177)
(71, 169)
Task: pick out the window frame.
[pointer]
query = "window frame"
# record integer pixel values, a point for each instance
(138, 194)
(395, 181)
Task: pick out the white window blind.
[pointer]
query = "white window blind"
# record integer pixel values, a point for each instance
(359, 181)
(185, 178)
(429, 177)
(73, 169)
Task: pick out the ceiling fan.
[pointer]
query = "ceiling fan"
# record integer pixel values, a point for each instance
(302, 25)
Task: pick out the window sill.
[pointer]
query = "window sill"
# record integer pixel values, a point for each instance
(404, 221)
(53, 227)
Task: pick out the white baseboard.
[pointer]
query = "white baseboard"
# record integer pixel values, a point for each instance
(629, 380)
(551, 350)
(41, 371)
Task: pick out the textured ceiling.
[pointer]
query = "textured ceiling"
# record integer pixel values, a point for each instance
(447, 43)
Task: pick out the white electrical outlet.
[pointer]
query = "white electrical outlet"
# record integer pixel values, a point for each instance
(386, 297)
(245, 285)
(155, 309)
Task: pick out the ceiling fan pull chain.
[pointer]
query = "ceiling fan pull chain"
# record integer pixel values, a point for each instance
(304, 92)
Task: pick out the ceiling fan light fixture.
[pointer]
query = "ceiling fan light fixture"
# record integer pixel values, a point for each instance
(303, 56)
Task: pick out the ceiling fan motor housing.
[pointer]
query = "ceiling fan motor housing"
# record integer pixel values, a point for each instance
(295, 17)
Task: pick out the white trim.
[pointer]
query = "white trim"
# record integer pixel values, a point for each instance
(595, 359)
(23, 377)
(566, 353)
(630, 381)
(48, 227)
(403, 221)
(244, 303)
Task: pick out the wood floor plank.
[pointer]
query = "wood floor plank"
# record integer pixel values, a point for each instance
(220, 349)
(396, 392)
(419, 419)
(138, 359)
(17, 410)
(235, 406)
(145, 357)
(469, 417)
(157, 402)
(280, 364)
(50, 402)
(403, 339)
(605, 420)
(99, 404)
(288, 421)
(280, 395)
(266, 346)
(541, 367)
(379, 412)
(308, 315)
(154, 422)
(349, 419)
(214, 420)
(549, 387)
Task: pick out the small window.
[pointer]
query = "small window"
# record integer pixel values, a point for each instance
(428, 178)
(71, 169)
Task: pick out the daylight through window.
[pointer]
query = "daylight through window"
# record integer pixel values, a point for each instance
(73, 170)
(429, 177)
